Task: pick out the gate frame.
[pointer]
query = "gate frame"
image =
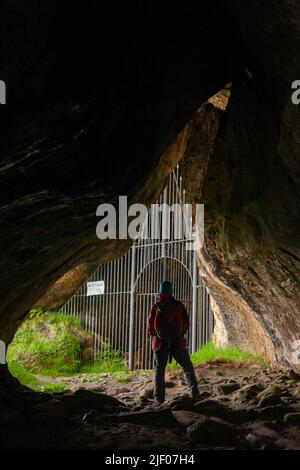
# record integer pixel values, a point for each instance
(133, 264)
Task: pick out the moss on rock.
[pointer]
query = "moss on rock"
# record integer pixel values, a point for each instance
(50, 344)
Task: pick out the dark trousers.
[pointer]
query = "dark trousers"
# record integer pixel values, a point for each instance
(182, 357)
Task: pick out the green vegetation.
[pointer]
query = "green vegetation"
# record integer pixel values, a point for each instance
(210, 353)
(106, 360)
(55, 345)
(123, 378)
(27, 379)
(88, 378)
(50, 344)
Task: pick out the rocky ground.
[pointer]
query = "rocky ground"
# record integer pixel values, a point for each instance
(240, 407)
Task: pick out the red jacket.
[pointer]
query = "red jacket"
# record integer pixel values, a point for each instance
(156, 341)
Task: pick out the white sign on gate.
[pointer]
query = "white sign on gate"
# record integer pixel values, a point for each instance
(2, 352)
(95, 288)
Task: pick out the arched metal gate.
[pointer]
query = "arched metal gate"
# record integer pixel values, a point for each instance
(114, 303)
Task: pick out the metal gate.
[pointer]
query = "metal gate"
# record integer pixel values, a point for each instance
(118, 314)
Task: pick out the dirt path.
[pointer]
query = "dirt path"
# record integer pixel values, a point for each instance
(129, 387)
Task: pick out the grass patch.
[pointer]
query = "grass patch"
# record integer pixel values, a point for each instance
(123, 378)
(89, 378)
(29, 380)
(53, 344)
(106, 361)
(49, 344)
(23, 375)
(103, 367)
(52, 387)
(209, 353)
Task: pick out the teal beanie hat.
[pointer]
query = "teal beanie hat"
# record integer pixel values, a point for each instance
(166, 287)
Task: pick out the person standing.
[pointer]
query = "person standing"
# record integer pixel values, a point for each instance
(168, 322)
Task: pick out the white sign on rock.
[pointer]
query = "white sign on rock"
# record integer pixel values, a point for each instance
(95, 288)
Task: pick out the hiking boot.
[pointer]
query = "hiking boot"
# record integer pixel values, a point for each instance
(159, 401)
(195, 395)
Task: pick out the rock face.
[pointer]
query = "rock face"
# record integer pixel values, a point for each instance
(65, 287)
(251, 190)
(86, 123)
(92, 105)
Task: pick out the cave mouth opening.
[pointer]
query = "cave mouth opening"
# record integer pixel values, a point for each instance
(108, 314)
(107, 299)
(98, 340)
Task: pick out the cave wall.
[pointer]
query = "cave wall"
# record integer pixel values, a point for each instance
(250, 260)
(252, 247)
(95, 94)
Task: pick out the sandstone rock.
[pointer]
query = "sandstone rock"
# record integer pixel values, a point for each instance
(271, 390)
(210, 407)
(226, 388)
(169, 384)
(246, 393)
(292, 418)
(269, 399)
(253, 440)
(289, 375)
(293, 375)
(183, 402)
(205, 388)
(241, 258)
(147, 392)
(296, 392)
(210, 431)
(239, 415)
(185, 418)
(276, 425)
(276, 411)
(91, 416)
(160, 418)
(201, 380)
(258, 442)
(87, 400)
(118, 391)
(142, 401)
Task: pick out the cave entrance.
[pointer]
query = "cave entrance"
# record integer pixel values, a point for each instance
(114, 303)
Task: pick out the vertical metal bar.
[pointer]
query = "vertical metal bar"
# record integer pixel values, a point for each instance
(126, 330)
(131, 310)
(117, 314)
(203, 313)
(107, 334)
(194, 299)
(120, 279)
(111, 303)
(207, 316)
(106, 327)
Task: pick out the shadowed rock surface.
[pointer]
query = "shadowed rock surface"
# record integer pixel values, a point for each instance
(92, 106)
(266, 418)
